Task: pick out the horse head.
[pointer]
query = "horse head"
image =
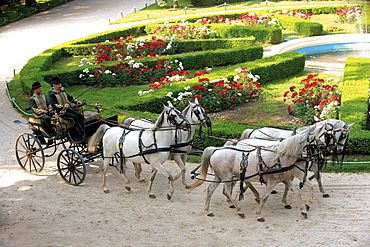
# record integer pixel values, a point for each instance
(196, 114)
(335, 135)
(175, 118)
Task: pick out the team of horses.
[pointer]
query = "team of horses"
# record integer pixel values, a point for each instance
(266, 155)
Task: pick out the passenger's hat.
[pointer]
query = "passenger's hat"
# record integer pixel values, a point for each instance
(56, 79)
(36, 85)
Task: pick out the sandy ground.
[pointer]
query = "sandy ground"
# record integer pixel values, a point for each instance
(45, 211)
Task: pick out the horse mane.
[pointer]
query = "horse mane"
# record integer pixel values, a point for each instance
(158, 124)
(186, 110)
(246, 134)
(293, 145)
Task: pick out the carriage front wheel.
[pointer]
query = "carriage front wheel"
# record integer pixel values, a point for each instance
(29, 153)
(71, 167)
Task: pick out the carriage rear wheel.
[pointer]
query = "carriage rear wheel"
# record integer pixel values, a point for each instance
(71, 167)
(29, 153)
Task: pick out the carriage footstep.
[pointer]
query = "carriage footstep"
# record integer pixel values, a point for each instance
(288, 207)
(261, 220)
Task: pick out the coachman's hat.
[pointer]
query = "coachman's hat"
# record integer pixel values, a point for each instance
(56, 79)
(36, 85)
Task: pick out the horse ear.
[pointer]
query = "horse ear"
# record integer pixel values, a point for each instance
(196, 101)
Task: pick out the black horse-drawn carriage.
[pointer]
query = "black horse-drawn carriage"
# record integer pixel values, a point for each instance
(32, 149)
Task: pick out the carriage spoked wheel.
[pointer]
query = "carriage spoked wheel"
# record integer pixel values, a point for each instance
(71, 167)
(29, 153)
(79, 147)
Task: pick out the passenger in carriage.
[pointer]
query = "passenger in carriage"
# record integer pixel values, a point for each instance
(61, 101)
(41, 108)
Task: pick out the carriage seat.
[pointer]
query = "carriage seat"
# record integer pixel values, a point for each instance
(90, 115)
(34, 121)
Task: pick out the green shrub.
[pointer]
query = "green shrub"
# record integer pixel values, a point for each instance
(304, 27)
(354, 105)
(262, 34)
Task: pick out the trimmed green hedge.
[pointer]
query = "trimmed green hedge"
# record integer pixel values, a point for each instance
(180, 46)
(304, 27)
(270, 35)
(355, 102)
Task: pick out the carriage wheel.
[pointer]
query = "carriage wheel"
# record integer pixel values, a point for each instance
(29, 153)
(71, 167)
(79, 147)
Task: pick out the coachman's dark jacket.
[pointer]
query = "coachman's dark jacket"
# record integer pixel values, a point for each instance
(59, 98)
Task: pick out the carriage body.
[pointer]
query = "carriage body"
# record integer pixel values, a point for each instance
(32, 149)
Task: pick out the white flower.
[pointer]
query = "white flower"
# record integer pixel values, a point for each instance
(81, 75)
(169, 94)
(108, 72)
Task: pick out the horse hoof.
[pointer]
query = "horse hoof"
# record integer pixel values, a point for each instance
(307, 207)
(287, 207)
(152, 196)
(274, 192)
(106, 191)
(169, 197)
(261, 220)
(241, 215)
(325, 195)
(232, 206)
(128, 188)
(210, 214)
(304, 215)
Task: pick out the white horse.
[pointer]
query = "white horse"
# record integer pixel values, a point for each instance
(151, 146)
(271, 165)
(195, 115)
(332, 135)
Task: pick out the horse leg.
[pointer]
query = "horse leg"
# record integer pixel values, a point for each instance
(178, 158)
(159, 167)
(303, 207)
(227, 192)
(152, 177)
(211, 188)
(285, 195)
(255, 192)
(105, 168)
(270, 186)
(137, 167)
(232, 184)
(300, 176)
(317, 175)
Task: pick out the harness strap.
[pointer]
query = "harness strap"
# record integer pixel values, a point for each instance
(141, 145)
(243, 169)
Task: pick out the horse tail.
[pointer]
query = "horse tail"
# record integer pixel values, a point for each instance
(95, 139)
(205, 163)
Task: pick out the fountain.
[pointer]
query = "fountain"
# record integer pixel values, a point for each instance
(328, 52)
